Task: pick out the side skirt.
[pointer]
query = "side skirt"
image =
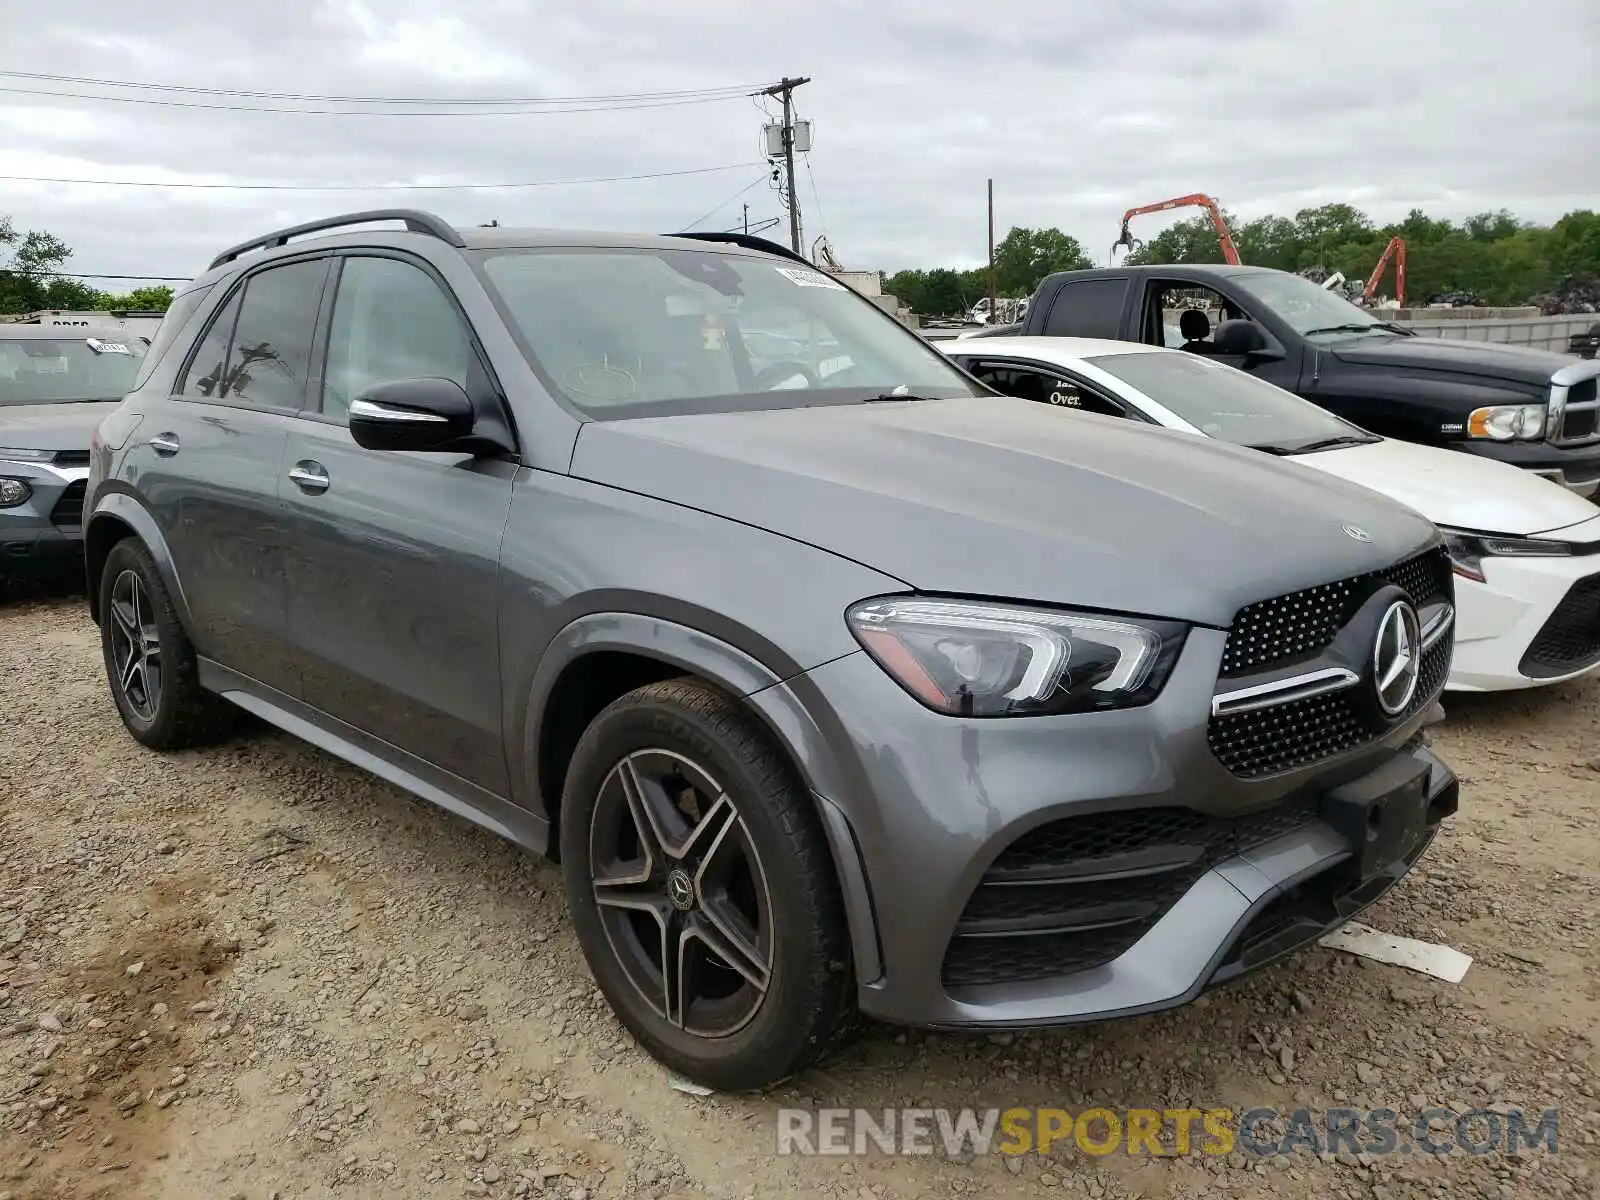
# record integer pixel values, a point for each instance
(389, 763)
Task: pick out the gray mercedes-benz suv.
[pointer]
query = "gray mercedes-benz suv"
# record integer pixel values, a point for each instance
(56, 383)
(836, 681)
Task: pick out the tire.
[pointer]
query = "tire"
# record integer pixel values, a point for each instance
(758, 841)
(163, 706)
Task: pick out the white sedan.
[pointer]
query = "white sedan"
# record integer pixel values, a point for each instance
(1526, 551)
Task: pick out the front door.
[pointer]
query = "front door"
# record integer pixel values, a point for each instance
(208, 461)
(393, 557)
(1184, 316)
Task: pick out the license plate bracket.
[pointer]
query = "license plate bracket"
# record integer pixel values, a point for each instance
(1383, 816)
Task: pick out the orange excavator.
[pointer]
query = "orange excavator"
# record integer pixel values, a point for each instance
(1198, 200)
(1396, 250)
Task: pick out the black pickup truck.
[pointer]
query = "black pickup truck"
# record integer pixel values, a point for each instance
(1535, 409)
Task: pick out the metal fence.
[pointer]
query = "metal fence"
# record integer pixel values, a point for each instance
(1543, 333)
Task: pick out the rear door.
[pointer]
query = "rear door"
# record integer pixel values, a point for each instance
(393, 557)
(1088, 308)
(208, 460)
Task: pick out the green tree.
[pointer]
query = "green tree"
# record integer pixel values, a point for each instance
(157, 299)
(1025, 256)
(28, 265)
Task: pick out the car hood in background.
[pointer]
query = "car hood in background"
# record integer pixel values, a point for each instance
(51, 426)
(1488, 359)
(994, 496)
(1452, 487)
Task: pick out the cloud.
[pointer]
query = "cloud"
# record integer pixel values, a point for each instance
(1077, 109)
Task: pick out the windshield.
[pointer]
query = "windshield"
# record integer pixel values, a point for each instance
(633, 332)
(38, 371)
(1305, 306)
(1228, 404)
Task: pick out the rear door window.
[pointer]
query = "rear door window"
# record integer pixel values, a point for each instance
(258, 349)
(1090, 308)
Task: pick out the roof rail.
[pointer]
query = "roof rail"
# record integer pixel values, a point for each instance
(750, 242)
(415, 220)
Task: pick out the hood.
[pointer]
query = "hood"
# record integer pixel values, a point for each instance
(1488, 359)
(993, 496)
(51, 426)
(1451, 487)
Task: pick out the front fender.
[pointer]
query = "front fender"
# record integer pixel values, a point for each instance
(115, 514)
(767, 695)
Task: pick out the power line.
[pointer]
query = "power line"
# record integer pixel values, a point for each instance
(717, 208)
(343, 112)
(741, 89)
(374, 187)
(88, 275)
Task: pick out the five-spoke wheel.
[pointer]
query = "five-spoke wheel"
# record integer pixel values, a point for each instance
(135, 645)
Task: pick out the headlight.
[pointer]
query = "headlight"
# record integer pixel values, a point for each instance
(14, 492)
(16, 455)
(995, 660)
(1503, 422)
(1468, 550)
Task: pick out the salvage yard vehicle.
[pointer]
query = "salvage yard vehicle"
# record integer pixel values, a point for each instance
(55, 386)
(1526, 553)
(819, 701)
(1534, 409)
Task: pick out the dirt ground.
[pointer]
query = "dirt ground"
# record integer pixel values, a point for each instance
(256, 972)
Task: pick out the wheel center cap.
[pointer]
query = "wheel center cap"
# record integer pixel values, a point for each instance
(680, 890)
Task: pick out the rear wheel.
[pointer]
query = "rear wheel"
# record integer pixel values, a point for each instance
(150, 663)
(702, 889)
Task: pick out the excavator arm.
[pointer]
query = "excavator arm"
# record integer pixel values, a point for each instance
(1198, 200)
(1396, 250)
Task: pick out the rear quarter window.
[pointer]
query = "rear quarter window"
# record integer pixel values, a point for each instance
(177, 316)
(1089, 308)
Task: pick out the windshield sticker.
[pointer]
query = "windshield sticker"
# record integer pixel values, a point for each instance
(100, 347)
(806, 278)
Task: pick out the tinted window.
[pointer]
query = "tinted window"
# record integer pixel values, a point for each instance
(210, 360)
(390, 321)
(177, 315)
(1045, 386)
(1089, 308)
(1225, 403)
(272, 339)
(632, 332)
(37, 371)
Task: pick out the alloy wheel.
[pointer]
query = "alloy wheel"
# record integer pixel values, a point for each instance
(135, 646)
(681, 893)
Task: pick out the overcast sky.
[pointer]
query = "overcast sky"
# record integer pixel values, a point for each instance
(1077, 108)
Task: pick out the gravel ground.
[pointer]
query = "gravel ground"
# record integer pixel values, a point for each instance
(256, 972)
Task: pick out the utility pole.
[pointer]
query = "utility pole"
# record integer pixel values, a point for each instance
(784, 90)
(747, 220)
(993, 315)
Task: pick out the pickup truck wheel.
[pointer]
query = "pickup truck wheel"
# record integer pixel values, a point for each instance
(702, 889)
(150, 663)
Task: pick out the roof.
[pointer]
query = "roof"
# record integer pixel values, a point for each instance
(1061, 350)
(16, 331)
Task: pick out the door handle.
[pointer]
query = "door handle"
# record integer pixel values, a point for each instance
(309, 476)
(165, 444)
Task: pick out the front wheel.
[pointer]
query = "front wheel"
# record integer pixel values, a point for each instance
(702, 889)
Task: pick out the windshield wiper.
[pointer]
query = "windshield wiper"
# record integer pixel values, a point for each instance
(898, 393)
(1347, 327)
(1327, 443)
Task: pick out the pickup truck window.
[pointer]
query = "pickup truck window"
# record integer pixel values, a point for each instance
(1231, 405)
(1090, 308)
(1306, 307)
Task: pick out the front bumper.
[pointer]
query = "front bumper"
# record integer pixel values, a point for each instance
(1533, 621)
(44, 533)
(936, 805)
(1576, 468)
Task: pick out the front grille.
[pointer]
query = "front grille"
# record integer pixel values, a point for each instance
(1274, 632)
(68, 509)
(1570, 640)
(1301, 732)
(1076, 893)
(1585, 423)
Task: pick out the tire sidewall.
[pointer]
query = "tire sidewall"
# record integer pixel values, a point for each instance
(774, 1031)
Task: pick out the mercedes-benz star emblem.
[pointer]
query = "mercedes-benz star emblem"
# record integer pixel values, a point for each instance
(1355, 531)
(680, 890)
(1397, 658)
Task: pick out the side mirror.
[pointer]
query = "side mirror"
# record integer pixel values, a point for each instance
(411, 414)
(1245, 339)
